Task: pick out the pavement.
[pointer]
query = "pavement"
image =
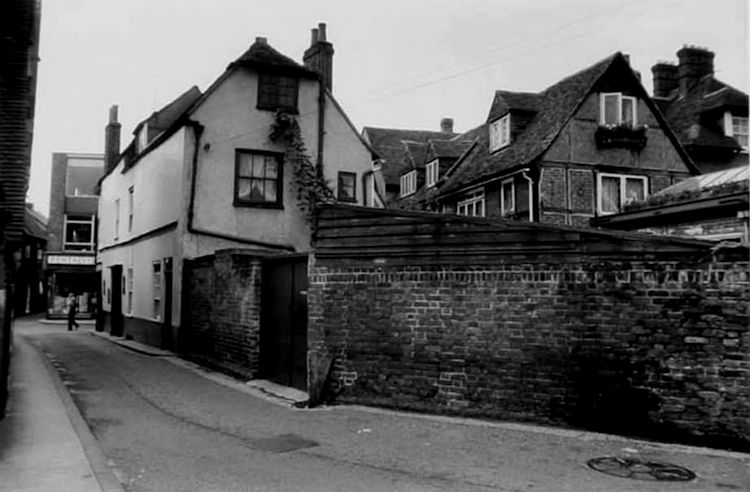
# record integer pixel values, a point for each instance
(45, 444)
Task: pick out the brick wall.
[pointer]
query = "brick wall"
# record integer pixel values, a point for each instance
(221, 311)
(661, 350)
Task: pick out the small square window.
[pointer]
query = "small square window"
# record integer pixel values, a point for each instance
(277, 92)
(347, 187)
(616, 109)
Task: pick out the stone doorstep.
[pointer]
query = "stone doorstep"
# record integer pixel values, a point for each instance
(291, 395)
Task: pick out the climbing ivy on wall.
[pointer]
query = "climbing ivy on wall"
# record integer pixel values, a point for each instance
(307, 177)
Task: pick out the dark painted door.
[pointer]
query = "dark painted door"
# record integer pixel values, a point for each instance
(283, 328)
(166, 329)
(116, 304)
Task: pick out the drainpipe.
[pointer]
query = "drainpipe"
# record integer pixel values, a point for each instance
(321, 124)
(198, 130)
(531, 194)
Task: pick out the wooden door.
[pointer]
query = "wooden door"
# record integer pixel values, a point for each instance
(115, 314)
(283, 329)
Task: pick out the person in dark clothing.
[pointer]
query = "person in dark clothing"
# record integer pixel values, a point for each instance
(72, 311)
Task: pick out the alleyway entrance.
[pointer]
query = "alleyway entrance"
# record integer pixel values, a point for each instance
(283, 322)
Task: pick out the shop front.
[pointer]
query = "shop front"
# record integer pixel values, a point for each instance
(71, 273)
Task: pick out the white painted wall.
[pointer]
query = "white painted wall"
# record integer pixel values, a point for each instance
(157, 181)
(233, 122)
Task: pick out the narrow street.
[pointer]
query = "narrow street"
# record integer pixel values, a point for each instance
(164, 427)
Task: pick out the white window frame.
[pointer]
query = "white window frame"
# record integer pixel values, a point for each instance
(500, 133)
(157, 281)
(90, 244)
(129, 291)
(117, 218)
(512, 182)
(409, 183)
(620, 98)
(131, 205)
(432, 171)
(623, 198)
(729, 131)
(472, 203)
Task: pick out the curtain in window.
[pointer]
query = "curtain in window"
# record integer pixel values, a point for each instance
(628, 110)
(610, 194)
(634, 190)
(611, 108)
(258, 178)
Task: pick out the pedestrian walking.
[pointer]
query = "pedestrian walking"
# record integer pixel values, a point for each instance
(72, 311)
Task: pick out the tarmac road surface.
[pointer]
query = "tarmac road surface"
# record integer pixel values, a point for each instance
(164, 427)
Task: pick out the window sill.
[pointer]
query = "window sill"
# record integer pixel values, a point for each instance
(347, 200)
(278, 206)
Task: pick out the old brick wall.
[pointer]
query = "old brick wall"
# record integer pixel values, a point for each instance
(654, 349)
(220, 324)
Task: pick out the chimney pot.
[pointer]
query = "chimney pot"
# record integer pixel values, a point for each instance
(446, 125)
(694, 63)
(322, 31)
(665, 79)
(261, 40)
(112, 140)
(319, 56)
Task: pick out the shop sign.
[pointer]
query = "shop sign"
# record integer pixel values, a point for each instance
(70, 260)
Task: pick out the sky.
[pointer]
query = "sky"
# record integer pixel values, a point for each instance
(397, 63)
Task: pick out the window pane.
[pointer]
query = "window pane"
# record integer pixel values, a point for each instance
(610, 194)
(78, 233)
(507, 197)
(610, 109)
(258, 166)
(243, 190)
(271, 167)
(256, 191)
(246, 165)
(634, 190)
(269, 187)
(628, 110)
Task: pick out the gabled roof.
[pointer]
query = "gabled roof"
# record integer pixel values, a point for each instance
(505, 101)
(261, 55)
(554, 108)
(34, 224)
(169, 114)
(694, 116)
(388, 144)
(446, 149)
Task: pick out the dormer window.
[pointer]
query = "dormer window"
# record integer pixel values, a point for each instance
(409, 183)
(617, 110)
(736, 127)
(142, 138)
(432, 170)
(500, 133)
(277, 92)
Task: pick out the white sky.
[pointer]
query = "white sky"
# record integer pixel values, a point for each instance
(398, 63)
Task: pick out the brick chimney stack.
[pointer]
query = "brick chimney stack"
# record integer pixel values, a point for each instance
(666, 79)
(446, 125)
(112, 141)
(319, 56)
(695, 62)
